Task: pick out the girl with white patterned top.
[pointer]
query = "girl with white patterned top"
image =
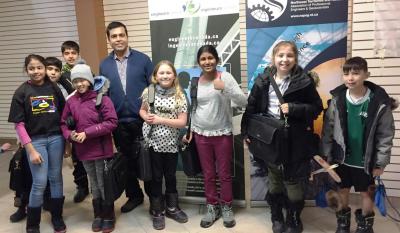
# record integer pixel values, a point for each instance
(170, 114)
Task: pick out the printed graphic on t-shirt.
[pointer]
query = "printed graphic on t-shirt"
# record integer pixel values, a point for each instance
(42, 104)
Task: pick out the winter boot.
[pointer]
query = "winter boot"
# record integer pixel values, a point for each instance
(157, 210)
(276, 203)
(33, 219)
(97, 223)
(227, 216)
(56, 209)
(108, 217)
(293, 221)
(364, 223)
(173, 210)
(19, 214)
(81, 194)
(21, 211)
(212, 215)
(343, 220)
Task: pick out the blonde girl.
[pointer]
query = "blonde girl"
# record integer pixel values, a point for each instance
(170, 114)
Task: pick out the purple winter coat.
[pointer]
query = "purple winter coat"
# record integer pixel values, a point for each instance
(98, 142)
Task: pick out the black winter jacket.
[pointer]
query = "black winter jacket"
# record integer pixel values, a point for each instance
(305, 105)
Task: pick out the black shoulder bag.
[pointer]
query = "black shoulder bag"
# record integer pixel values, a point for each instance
(115, 169)
(20, 173)
(143, 153)
(268, 135)
(190, 158)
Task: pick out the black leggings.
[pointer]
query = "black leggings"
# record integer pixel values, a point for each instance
(163, 166)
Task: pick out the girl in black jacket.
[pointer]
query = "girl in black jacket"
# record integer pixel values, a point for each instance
(301, 106)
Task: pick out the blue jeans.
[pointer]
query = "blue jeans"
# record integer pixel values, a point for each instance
(51, 149)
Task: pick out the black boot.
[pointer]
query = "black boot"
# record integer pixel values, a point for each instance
(293, 221)
(276, 203)
(343, 220)
(81, 194)
(173, 211)
(131, 204)
(21, 211)
(56, 205)
(33, 219)
(108, 217)
(19, 214)
(97, 223)
(364, 223)
(157, 210)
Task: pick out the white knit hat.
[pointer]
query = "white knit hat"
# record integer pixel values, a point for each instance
(82, 71)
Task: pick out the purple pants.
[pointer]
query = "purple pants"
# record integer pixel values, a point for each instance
(215, 153)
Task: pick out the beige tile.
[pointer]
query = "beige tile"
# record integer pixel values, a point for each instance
(78, 217)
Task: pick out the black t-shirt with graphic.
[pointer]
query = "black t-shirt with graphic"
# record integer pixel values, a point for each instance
(39, 107)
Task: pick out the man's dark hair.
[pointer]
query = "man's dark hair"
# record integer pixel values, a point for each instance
(69, 44)
(53, 61)
(356, 64)
(115, 24)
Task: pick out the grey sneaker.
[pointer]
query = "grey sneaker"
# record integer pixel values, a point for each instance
(227, 216)
(212, 215)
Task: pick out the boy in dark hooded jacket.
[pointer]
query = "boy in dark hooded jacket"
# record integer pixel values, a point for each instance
(358, 134)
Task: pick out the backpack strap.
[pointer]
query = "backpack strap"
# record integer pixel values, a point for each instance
(151, 99)
(194, 83)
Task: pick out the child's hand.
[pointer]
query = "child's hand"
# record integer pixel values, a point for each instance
(219, 84)
(187, 140)
(157, 120)
(285, 108)
(73, 135)
(80, 137)
(377, 172)
(35, 157)
(149, 118)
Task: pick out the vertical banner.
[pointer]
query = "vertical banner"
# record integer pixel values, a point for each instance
(178, 29)
(319, 29)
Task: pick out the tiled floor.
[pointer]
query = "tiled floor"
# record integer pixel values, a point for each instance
(78, 217)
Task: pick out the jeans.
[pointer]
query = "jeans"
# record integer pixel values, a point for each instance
(215, 154)
(51, 149)
(95, 171)
(163, 165)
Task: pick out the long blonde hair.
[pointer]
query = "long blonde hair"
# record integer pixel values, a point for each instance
(179, 96)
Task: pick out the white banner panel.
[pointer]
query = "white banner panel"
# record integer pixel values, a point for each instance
(177, 9)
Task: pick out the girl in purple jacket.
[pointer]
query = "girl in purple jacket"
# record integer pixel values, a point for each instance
(91, 136)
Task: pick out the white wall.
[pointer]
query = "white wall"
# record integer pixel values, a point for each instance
(29, 26)
(385, 72)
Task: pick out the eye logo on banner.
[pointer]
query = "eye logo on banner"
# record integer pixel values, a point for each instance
(191, 7)
(266, 10)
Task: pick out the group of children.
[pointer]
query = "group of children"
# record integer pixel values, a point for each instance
(358, 132)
